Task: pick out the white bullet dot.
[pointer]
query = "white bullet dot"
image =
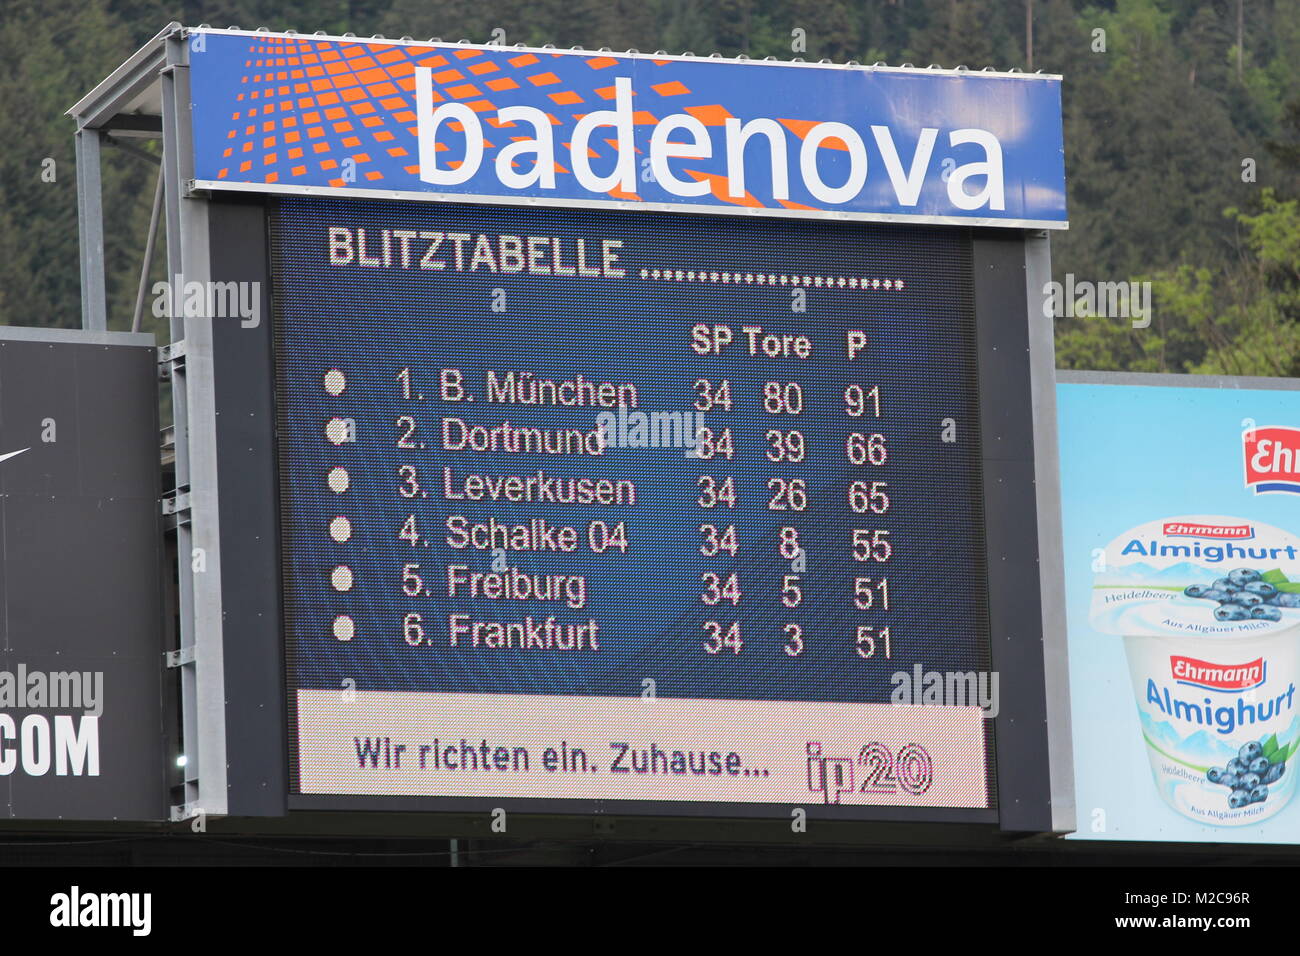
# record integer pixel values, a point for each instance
(337, 430)
(344, 628)
(338, 480)
(335, 382)
(340, 529)
(341, 578)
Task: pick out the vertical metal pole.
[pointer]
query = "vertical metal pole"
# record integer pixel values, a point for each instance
(1051, 563)
(90, 231)
(181, 429)
(198, 541)
(147, 265)
(1029, 35)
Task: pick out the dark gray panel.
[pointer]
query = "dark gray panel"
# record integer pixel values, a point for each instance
(74, 389)
(1011, 521)
(80, 579)
(82, 559)
(1006, 412)
(118, 462)
(127, 787)
(39, 381)
(257, 758)
(1016, 637)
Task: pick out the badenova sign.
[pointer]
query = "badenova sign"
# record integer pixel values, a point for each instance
(286, 113)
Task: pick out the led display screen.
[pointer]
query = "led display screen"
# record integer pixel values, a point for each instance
(590, 505)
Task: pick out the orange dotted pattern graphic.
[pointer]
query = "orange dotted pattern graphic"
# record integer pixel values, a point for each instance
(327, 113)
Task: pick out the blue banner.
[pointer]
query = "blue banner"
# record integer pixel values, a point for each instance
(286, 113)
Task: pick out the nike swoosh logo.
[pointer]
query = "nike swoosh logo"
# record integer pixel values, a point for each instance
(13, 453)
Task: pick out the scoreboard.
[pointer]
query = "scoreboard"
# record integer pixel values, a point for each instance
(644, 507)
(610, 433)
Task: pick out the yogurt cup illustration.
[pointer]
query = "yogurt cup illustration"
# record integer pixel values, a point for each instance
(1209, 610)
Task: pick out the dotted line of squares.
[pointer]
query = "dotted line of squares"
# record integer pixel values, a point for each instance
(767, 278)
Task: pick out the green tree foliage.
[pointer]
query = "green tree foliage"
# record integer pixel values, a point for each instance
(46, 64)
(1160, 114)
(1241, 319)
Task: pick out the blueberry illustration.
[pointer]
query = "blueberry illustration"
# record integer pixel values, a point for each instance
(1235, 766)
(1259, 794)
(1247, 599)
(1249, 781)
(1262, 588)
(1263, 613)
(1259, 766)
(1214, 774)
(1275, 771)
(1238, 799)
(1230, 780)
(1285, 599)
(1217, 594)
(1231, 612)
(1243, 576)
(1249, 751)
(1195, 590)
(1223, 584)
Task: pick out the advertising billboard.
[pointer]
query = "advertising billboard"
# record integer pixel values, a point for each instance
(82, 732)
(581, 502)
(314, 115)
(1181, 503)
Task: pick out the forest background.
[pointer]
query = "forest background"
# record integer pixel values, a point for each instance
(1182, 132)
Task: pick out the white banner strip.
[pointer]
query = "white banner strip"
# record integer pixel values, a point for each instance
(630, 748)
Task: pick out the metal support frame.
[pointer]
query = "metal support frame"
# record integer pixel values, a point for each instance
(160, 72)
(123, 105)
(202, 677)
(90, 231)
(147, 264)
(98, 112)
(112, 140)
